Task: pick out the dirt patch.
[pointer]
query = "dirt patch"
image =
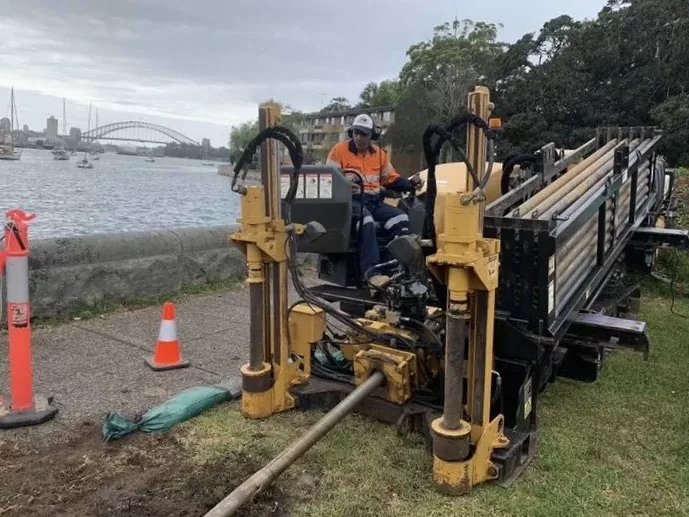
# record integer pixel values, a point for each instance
(142, 475)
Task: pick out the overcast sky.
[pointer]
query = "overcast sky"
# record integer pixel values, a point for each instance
(200, 67)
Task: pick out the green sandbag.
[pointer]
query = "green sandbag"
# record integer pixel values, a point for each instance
(179, 408)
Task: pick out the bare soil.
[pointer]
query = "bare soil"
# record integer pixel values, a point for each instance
(141, 474)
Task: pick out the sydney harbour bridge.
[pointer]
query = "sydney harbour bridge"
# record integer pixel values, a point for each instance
(137, 131)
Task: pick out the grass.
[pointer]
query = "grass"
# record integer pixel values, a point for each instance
(616, 447)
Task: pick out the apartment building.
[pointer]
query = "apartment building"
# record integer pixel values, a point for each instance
(321, 131)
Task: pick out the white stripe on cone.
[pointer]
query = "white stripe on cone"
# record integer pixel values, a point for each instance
(168, 330)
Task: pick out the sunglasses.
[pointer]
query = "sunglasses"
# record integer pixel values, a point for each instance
(359, 132)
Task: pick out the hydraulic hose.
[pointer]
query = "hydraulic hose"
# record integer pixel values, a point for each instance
(508, 167)
(444, 134)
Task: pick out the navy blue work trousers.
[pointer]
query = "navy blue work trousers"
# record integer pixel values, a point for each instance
(391, 219)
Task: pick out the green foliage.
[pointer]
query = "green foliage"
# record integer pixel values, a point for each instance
(196, 152)
(337, 104)
(673, 116)
(625, 67)
(240, 136)
(385, 93)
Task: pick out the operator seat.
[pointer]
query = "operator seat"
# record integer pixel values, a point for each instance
(324, 195)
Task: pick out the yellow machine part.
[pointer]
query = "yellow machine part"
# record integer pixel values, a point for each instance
(451, 178)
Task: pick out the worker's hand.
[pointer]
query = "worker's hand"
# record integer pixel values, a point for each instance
(354, 179)
(416, 182)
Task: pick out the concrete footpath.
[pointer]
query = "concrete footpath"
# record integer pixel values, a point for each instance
(96, 366)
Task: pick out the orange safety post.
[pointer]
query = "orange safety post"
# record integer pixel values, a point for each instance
(25, 408)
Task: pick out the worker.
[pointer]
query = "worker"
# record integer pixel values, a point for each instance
(371, 162)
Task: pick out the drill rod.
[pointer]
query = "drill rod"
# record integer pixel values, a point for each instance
(277, 466)
(455, 346)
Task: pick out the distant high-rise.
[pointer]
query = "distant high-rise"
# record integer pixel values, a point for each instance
(51, 128)
(206, 143)
(26, 128)
(5, 125)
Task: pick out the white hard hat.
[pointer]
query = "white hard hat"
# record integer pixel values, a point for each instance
(364, 123)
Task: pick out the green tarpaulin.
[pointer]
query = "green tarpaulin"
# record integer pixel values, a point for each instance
(179, 408)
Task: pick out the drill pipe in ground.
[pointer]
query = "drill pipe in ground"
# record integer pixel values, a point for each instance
(277, 466)
(562, 181)
(588, 181)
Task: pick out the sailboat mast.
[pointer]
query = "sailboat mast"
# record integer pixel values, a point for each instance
(64, 117)
(12, 118)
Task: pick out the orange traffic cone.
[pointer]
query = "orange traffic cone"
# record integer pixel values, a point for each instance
(167, 354)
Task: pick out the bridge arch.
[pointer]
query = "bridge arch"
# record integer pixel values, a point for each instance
(102, 131)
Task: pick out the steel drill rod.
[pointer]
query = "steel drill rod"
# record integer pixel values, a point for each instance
(588, 234)
(576, 181)
(567, 276)
(561, 182)
(256, 333)
(576, 242)
(589, 253)
(287, 457)
(577, 236)
(455, 345)
(596, 186)
(582, 189)
(573, 283)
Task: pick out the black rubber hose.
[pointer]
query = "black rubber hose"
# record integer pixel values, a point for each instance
(510, 164)
(448, 133)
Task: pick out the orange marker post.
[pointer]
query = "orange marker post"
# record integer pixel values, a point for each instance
(25, 408)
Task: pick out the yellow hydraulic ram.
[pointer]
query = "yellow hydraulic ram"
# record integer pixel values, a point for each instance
(468, 265)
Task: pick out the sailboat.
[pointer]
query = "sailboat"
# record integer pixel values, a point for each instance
(84, 163)
(7, 150)
(94, 154)
(60, 153)
(150, 157)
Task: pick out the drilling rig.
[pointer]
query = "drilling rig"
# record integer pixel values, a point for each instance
(496, 294)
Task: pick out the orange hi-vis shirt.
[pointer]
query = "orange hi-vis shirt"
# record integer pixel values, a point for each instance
(373, 165)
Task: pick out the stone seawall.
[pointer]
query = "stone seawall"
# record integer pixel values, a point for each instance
(70, 273)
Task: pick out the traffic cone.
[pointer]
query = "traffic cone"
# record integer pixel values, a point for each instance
(168, 350)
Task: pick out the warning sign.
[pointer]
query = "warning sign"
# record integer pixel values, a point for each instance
(300, 188)
(326, 186)
(284, 185)
(311, 186)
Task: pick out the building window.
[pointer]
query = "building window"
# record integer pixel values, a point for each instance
(386, 116)
(342, 120)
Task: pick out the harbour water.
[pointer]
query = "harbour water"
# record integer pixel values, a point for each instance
(120, 194)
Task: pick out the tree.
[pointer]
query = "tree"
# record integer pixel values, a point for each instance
(240, 136)
(439, 74)
(387, 93)
(337, 104)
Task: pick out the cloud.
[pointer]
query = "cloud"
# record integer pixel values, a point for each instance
(214, 61)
